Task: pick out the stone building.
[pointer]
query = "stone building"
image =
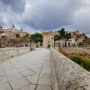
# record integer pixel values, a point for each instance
(51, 33)
(48, 40)
(8, 38)
(65, 43)
(79, 37)
(76, 38)
(12, 32)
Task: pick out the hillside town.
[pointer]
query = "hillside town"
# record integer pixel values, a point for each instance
(13, 37)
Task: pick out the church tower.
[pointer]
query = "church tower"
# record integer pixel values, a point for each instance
(13, 27)
(21, 29)
(1, 28)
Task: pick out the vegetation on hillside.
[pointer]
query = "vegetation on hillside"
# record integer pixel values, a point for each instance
(56, 37)
(1, 31)
(85, 63)
(17, 36)
(4, 37)
(26, 36)
(79, 59)
(62, 35)
(67, 36)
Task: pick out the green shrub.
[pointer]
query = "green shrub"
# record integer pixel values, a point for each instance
(4, 37)
(1, 31)
(17, 36)
(60, 50)
(63, 52)
(26, 36)
(77, 59)
(85, 53)
(85, 63)
(56, 38)
(37, 37)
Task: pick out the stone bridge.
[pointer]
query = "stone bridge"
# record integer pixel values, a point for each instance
(42, 69)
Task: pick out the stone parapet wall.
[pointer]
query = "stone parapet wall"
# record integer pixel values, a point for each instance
(6, 53)
(67, 75)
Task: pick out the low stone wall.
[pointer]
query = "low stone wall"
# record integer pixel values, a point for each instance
(67, 75)
(6, 53)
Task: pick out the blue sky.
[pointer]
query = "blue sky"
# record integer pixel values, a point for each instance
(46, 15)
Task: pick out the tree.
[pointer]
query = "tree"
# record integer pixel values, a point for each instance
(26, 36)
(1, 31)
(4, 37)
(62, 32)
(84, 34)
(80, 43)
(17, 36)
(37, 37)
(56, 37)
(67, 36)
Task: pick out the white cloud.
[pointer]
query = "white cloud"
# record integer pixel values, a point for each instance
(42, 15)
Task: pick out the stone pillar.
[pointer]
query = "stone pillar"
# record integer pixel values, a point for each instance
(66, 43)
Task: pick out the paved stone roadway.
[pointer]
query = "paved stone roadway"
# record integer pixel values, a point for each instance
(26, 72)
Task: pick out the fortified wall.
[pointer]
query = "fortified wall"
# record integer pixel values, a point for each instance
(67, 75)
(19, 42)
(6, 53)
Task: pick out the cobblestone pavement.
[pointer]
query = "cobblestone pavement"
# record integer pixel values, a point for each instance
(30, 71)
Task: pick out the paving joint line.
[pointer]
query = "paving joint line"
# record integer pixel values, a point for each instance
(38, 77)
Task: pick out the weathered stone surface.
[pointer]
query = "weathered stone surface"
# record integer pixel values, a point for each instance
(20, 83)
(5, 86)
(13, 75)
(44, 81)
(33, 78)
(30, 87)
(6, 53)
(70, 76)
(26, 71)
(3, 79)
(43, 87)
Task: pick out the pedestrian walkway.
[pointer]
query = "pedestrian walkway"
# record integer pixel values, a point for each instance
(30, 71)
